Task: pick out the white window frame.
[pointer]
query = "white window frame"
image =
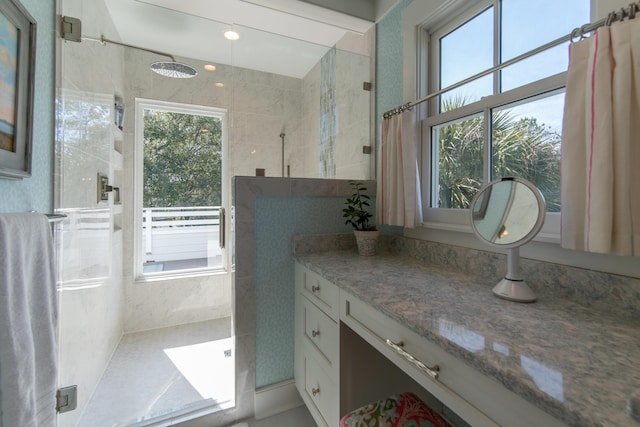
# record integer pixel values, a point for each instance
(174, 107)
(444, 19)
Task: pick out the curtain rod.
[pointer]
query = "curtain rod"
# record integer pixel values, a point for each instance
(580, 32)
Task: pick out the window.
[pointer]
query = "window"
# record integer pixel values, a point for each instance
(180, 174)
(505, 123)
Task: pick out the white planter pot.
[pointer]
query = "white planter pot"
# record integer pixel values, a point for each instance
(367, 241)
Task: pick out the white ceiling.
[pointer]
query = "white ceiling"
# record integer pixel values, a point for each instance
(280, 36)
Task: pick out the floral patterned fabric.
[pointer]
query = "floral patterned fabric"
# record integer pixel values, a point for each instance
(400, 410)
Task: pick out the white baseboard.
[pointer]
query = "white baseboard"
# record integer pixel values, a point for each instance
(276, 398)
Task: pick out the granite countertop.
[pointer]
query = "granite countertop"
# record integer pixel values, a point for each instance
(579, 365)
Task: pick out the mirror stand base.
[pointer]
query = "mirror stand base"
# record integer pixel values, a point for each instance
(514, 290)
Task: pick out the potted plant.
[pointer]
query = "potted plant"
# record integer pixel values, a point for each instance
(359, 217)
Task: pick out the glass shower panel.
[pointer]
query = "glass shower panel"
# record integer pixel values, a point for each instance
(138, 352)
(107, 317)
(301, 109)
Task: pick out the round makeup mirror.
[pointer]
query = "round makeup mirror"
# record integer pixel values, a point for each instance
(507, 213)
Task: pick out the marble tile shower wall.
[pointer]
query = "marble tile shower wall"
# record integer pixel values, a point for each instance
(264, 106)
(328, 113)
(310, 149)
(342, 128)
(353, 110)
(260, 107)
(610, 293)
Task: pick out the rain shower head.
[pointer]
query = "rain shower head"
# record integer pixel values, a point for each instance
(173, 69)
(164, 68)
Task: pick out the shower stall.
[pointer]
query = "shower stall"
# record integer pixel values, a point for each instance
(134, 351)
(140, 351)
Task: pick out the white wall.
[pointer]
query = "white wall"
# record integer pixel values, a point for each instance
(601, 8)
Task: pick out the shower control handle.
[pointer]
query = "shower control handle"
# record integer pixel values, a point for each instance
(315, 391)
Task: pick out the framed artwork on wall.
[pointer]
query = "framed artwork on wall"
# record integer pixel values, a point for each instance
(17, 68)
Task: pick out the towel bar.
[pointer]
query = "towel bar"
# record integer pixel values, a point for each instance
(55, 217)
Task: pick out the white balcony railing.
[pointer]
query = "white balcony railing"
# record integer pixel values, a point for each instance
(184, 237)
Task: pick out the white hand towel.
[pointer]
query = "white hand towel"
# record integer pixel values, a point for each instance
(28, 322)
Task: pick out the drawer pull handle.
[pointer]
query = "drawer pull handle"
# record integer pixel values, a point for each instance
(315, 391)
(432, 371)
(315, 289)
(315, 333)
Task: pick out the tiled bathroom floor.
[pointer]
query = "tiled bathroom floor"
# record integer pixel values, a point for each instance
(298, 417)
(156, 372)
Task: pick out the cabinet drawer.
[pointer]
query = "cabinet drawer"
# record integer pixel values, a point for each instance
(320, 291)
(322, 333)
(321, 390)
(458, 386)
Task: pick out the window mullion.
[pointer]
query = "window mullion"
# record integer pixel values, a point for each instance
(434, 153)
(487, 145)
(497, 87)
(434, 81)
(497, 40)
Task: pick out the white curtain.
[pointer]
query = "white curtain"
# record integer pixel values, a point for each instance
(398, 191)
(601, 143)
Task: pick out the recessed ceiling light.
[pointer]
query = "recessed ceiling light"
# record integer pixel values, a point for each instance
(219, 84)
(231, 35)
(210, 67)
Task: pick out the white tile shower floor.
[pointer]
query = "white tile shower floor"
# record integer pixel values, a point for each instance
(156, 372)
(298, 417)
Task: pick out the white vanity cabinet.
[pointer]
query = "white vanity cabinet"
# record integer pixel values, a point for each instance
(476, 398)
(321, 307)
(317, 340)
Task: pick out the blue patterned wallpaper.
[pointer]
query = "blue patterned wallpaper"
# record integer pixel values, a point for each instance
(36, 192)
(389, 62)
(277, 220)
